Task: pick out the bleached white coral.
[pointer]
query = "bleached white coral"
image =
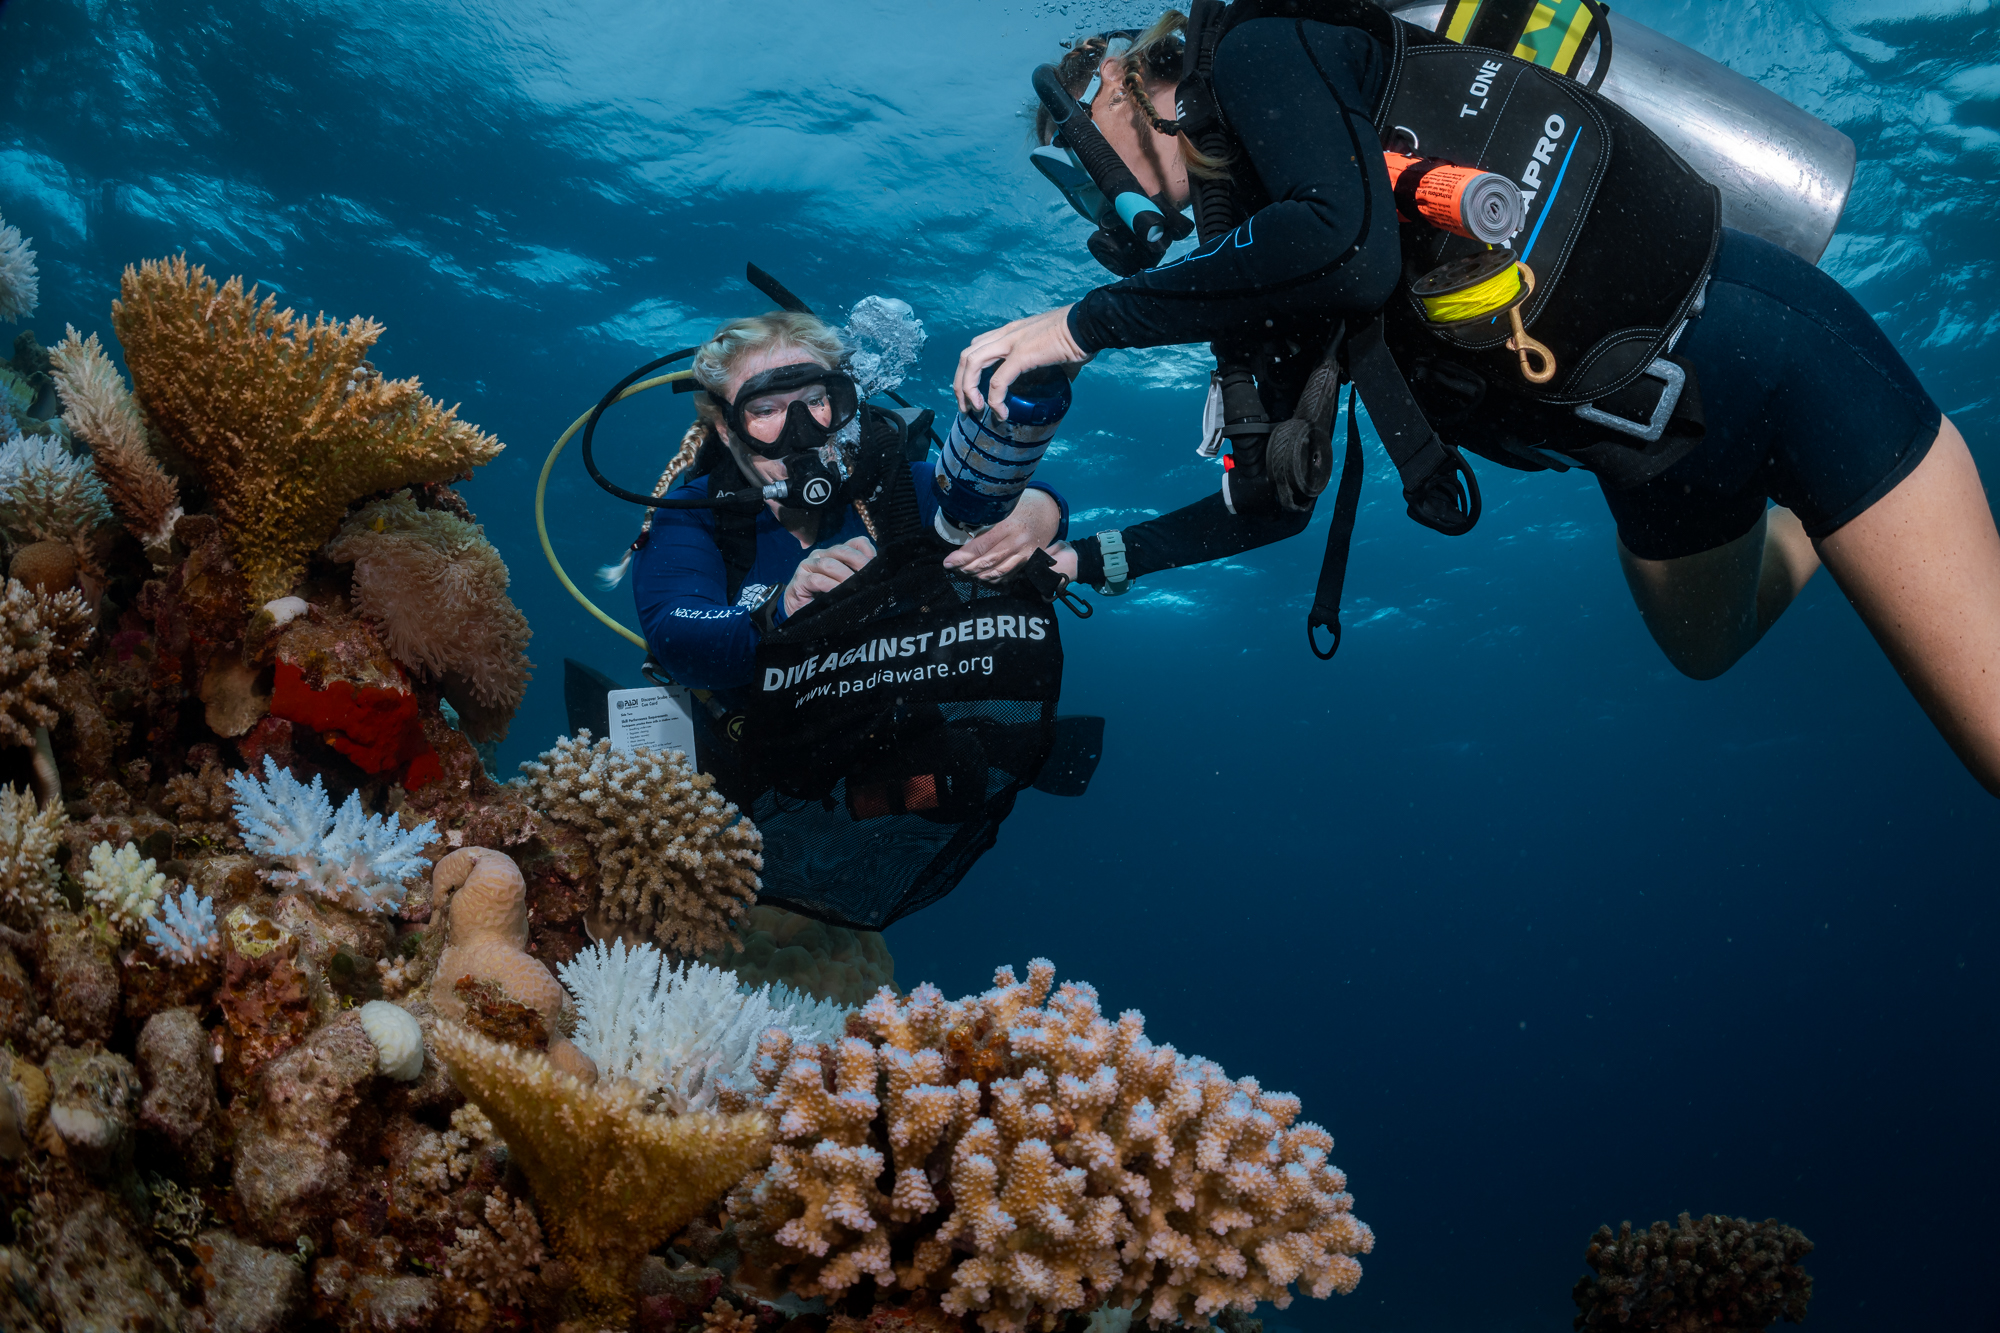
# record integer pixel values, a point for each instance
(126, 887)
(399, 1040)
(682, 1034)
(30, 837)
(48, 494)
(883, 336)
(185, 928)
(20, 284)
(352, 857)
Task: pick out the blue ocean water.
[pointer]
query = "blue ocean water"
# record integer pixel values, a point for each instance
(1547, 935)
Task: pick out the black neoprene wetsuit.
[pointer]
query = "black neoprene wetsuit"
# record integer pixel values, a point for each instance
(1321, 241)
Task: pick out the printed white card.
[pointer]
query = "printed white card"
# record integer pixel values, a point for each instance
(655, 717)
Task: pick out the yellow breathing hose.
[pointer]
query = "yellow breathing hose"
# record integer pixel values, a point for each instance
(1477, 301)
(541, 489)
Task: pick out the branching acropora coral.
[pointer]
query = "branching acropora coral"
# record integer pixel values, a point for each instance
(611, 1181)
(126, 887)
(1043, 1161)
(282, 419)
(682, 1033)
(100, 410)
(1718, 1275)
(501, 1257)
(357, 859)
(30, 838)
(439, 591)
(184, 931)
(20, 286)
(676, 860)
(48, 494)
(37, 631)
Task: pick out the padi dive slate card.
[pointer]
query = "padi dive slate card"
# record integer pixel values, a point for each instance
(653, 717)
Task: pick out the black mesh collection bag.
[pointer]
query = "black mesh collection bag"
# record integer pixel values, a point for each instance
(888, 731)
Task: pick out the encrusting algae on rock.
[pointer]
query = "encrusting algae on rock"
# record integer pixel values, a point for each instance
(295, 996)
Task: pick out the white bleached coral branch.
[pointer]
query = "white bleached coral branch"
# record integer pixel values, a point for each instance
(30, 837)
(20, 281)
(682, 1034)
(185, 928)
(352, 857)
(48, 494)
(126, 887)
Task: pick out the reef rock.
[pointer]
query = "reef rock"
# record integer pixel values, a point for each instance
(99, 1277)
(250, 1289)
(179, 1111)
(93, 1096)
(18, 1006)
(293, 1146)
(78, 978)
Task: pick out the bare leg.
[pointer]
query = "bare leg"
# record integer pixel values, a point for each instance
(1922, 566)
(1707, 610)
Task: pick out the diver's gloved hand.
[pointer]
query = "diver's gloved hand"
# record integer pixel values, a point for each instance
(999, 551)
(823, 571)
(1019, 347)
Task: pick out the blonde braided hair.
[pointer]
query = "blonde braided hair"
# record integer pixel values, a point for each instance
(1154, 54)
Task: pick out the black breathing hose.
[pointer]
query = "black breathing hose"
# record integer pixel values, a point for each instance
(743, 501)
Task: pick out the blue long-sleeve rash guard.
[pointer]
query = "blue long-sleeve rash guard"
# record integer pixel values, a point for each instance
(681, 586)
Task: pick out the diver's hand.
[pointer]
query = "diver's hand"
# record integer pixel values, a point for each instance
(1064, 556)
(1025, 345)
(823, 571)
(999, 551)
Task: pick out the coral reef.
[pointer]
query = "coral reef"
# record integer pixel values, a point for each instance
(185, 930)
(179, 1110)
(283, 421)
(30, 838)
(125, 887)
(439, 591)
(1715, 1275)
(100, 411)
(485, 976)
(500, 1258)
(350, 857)
(36, 632)
(48, 494)
(676, 861)
(832, 962)
(1045, 1160)
(611, 1180)
(682, 1034)
(399, 1040)
(20, 283)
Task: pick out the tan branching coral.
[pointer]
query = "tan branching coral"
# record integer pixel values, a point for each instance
(610, 1181)
(37, 632)
(100, 410)
(1716, 1275)
(501, 1258)
(1043, 1161)
(439, 591)
(30, 838)
(676, 861)
(724, 1317)
(281, 419)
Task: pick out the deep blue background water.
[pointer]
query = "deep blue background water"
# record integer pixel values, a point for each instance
(1546, 934)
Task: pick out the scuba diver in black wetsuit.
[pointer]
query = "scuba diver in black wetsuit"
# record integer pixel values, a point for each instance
(1746, 419)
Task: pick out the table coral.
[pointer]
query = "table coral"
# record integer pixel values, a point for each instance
(1042, 1160)
(1716, 1275)
(438, 588)
(281, 419)
(610, 1181)
(676, 860)
(30, 837)
(100, 410)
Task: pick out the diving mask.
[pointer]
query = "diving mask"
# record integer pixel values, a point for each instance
(766, 395)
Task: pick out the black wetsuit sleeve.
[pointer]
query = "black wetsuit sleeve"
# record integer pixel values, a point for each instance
(1204, 530)
(1296, 96)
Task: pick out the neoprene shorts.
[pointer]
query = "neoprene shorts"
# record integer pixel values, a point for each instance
(1806, 402)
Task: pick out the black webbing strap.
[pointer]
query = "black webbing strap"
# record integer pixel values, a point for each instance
(1431, 470)
(1325, 613)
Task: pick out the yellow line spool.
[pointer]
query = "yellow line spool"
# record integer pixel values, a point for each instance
(1482, 287)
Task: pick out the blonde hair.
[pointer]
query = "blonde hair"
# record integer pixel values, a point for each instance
(714, 362)
(1155, 55)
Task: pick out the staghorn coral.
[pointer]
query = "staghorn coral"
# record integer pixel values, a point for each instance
(612, 1181)
(356, 859)
(100, 411)
(1043, 1161)
(675, 860)
(439, 590)
(124, 886)
(502, 1257)
(20, 285)
(30, 837)
(1717, 1275)
(48, 494)
(283, 421)
(36, 632)
(681, 1034)
(184, 931)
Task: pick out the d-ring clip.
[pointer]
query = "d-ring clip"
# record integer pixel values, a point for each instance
(1528, 349)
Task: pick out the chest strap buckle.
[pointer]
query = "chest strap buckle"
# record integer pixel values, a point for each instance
(1674, 380)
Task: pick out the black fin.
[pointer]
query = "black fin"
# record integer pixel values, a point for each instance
(1072, 761)
(584, 688)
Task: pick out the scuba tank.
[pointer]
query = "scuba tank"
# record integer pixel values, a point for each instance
(986, 462)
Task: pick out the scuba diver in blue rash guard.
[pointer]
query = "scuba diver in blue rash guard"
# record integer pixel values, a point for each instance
(1746, 420)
